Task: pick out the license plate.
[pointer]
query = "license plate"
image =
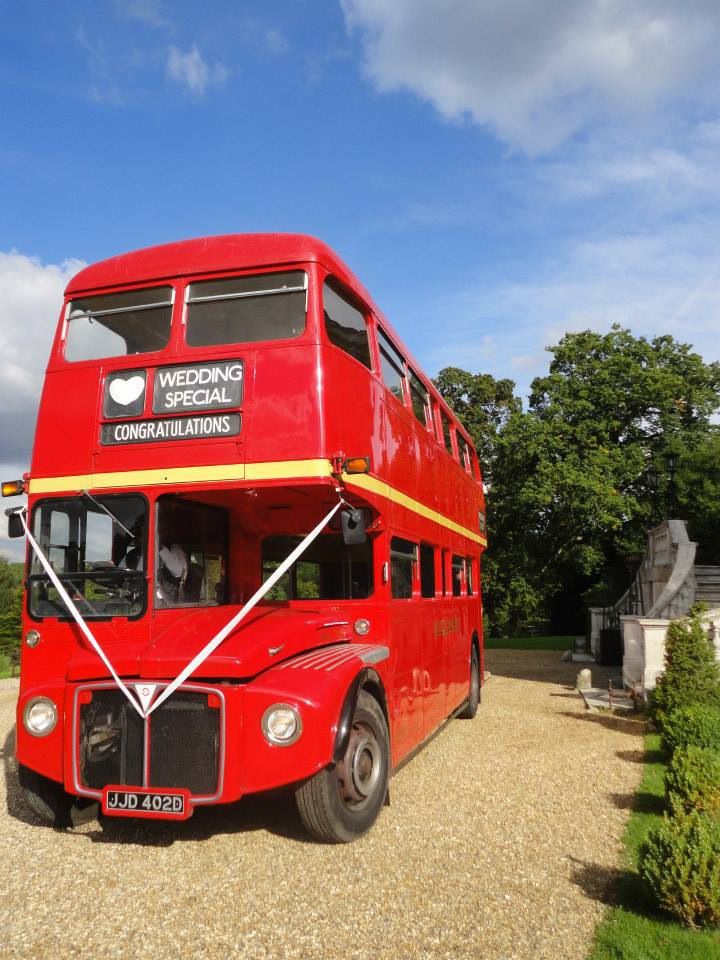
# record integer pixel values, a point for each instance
(140, 802)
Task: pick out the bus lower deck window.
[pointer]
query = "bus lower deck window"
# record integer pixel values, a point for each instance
(328, 570)
(191, 559)
(403, 557)
(458, 575)
(427, 570)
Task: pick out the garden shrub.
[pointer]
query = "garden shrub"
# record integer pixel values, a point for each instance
(680, 865)
(694, 726)
(692, 674)
(692, 781)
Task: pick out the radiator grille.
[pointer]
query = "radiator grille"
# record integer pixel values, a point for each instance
(111, 741)
(183, 738)
(184, 741)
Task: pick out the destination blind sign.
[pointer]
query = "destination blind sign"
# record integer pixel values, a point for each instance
(202, 386)
(179, 389)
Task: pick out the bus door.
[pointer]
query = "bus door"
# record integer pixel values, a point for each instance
(457, 639)
(406, 644)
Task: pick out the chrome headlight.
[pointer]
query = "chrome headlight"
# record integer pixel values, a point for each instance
(40, 716)
(281, 724)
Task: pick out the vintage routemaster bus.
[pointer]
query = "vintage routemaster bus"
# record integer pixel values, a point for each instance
(254, 536)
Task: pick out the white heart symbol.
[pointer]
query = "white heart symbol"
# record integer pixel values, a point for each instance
(125, 391)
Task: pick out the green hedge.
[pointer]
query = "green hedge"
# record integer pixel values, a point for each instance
(692, 726)
(680, 865)
(692, 781)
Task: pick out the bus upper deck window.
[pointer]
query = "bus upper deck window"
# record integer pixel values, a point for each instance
(345, 324)
(446, 433)
(419, 399)
(392, 365)
(464, 451)
(118, 324)
(269, 306)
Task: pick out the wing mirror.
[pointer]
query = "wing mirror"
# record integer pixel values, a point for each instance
(354, 526)
(15, 527)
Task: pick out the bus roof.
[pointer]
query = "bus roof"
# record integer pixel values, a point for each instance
(235, 251)
(208, 255)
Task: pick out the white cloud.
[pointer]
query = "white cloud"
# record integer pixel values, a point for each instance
(147, 11)
(664, 281)
(536, 73)
(190, 70)
(276, 42)
(32, 298)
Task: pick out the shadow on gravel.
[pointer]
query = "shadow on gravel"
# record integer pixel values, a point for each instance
(274, 814)
(641, 802)
(612, 887)
(613, 721)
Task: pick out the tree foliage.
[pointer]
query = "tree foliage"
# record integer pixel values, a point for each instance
(570, 479)
(10, 608)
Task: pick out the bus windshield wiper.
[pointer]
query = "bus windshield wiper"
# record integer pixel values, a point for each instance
(108, 512)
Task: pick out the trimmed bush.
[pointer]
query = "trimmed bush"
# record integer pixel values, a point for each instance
(680, 865)
(692, 781)
(692, 674)
(694, 726)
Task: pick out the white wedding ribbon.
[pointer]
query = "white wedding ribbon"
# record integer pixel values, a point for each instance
(75, 613)
(209, 647)
(241, 614)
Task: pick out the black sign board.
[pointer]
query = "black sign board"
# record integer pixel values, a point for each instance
(124, 393)
(198, 386)
(171, 428)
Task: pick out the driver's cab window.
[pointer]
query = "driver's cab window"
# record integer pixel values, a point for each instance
(191, 554)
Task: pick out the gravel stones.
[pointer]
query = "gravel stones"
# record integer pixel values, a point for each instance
(499, 842)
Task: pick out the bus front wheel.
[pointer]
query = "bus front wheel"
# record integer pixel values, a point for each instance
(46, 798)
(342, 802)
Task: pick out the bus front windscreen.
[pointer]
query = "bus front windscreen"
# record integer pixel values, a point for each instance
(97, 548)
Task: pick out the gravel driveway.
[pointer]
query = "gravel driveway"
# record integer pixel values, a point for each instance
(500, 834)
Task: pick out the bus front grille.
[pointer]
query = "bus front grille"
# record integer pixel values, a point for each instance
(182, 739)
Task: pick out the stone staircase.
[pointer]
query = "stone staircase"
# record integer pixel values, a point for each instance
(707, 585)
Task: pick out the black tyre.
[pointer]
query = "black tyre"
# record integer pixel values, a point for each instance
(341, 803)
(46, 798)
(473, 702)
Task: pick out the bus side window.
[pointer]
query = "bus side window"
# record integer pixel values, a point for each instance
(447, 436)
(443, 569)
(345, 324)
(469, 579)
(458, 570)
(403, 557)
(420, 400)
(464, 452)
(427, 570)
(392, 366)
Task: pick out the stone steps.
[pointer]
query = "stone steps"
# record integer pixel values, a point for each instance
(707, 584)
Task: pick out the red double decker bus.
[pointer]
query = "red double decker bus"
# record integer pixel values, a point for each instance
(254, 536)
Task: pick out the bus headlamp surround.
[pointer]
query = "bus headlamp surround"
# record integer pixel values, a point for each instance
(281, 724)
(40, 716)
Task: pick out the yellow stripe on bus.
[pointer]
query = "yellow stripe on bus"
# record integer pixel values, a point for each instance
(279, 470)
(373, 485)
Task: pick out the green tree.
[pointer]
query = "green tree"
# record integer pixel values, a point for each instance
(10, 608)
(570, 485)
(484, 406)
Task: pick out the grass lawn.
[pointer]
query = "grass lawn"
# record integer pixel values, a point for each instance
(528, 643)
(632, 930)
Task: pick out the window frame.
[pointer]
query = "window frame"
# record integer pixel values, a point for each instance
(340, 290)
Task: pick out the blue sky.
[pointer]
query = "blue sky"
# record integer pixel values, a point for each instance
(495, 174)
